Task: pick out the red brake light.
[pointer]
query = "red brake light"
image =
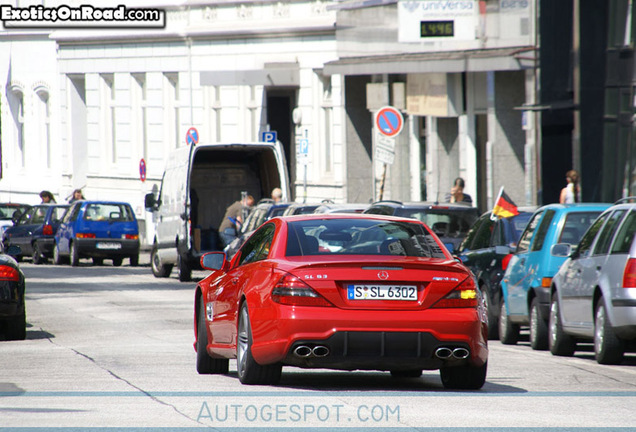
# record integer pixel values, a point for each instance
(47, 230)
(132, 236)
(629, 275)
(464, 296)
(85, 235)
(9, 274)
(505, 261)
(291, 290)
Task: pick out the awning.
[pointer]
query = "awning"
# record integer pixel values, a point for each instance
(481, 60)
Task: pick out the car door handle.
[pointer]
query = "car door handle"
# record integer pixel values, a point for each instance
(234, 281)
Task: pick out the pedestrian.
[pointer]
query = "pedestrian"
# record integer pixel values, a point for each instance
(77, 196)
(47, 197)
(571, 193)
(457, 194)
(277, 195)
(233, 218)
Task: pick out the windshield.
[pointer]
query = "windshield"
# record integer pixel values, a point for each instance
(360, 237)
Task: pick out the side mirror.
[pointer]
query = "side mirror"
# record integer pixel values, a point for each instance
(213, 260)
(561, 250)
(502, 250)
(150, 202)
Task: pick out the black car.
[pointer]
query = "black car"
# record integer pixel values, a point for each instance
(488, 242)
(450, 222)
(12, 305)
(34, 231)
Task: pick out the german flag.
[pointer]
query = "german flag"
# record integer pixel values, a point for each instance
(504, 206)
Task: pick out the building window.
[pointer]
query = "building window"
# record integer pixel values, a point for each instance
(109, 115)
(327, 118)
(213, 110)
(16, 104)
(140, 104)
(43, 113)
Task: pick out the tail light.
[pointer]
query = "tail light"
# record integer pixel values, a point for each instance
(131, 237)
(84, 235)
(505, 261)
(629, 275)
(464, 296)
(9, 274)
(291, 290)
(47, 230)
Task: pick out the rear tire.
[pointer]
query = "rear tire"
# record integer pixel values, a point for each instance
(134, 260)
(159, 270)
(16, 328)
(508, 332)
(464, 377)
(38, 258)
(185, 272)
(561, 344)
(250, 372)
(57, 258)
(74, 255)
(609, 349)
(205, 363)
(538, 327)
(493, 320)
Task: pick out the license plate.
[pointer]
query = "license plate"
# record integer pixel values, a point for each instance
(382, 292)
(109, 246)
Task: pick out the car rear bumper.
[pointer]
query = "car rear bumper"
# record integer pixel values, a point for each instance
(11, 308)
(107, 247)
(624, 318)
(367, 339)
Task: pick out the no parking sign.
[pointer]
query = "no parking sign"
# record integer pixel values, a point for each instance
(389, 121)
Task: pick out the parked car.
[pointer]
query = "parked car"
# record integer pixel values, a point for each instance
(263, 211)
(593, 295)
(300, 208)
(450, 222)
(341, 292)
(9, 213)
(98, 230)
(12, 289)
(341, 208)
(529, 271)
(34, 231)
(487, 243)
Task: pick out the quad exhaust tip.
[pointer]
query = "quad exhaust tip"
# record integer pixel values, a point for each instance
(304, 351)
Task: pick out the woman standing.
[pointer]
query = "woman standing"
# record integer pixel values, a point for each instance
(572, 192)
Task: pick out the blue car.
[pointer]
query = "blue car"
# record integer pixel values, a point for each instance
(529, 271)
(34, 231)
(98, 230)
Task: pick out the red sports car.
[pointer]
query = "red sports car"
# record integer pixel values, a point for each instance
(341, 292)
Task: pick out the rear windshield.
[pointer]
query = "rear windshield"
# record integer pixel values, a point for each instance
(360, 237)
(111, 212)
(443, 221)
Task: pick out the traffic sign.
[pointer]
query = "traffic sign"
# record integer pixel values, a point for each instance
(192, 136)
(142, 170)
(303, 151)
(389, 121)
(269, 136)
(384, 149)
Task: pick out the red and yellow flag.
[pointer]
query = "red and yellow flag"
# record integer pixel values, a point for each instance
(504, 206)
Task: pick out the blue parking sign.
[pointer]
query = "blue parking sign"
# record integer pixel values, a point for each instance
(269, 136)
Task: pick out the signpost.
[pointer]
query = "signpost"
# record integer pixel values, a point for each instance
(388, 123)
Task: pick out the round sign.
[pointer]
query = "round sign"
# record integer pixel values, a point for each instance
(192, 136)
(142, 170)
(389, 121)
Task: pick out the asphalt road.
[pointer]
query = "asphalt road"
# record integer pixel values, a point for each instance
(112, 347)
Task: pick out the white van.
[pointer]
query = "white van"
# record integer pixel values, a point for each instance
(198, 184)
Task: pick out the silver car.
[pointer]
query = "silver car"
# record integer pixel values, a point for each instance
(594, 291)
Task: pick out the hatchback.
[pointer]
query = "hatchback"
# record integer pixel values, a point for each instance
(34, 231)
(98, 230)
(593, 296)
(529, 271)
(450, 222)
(488, 242)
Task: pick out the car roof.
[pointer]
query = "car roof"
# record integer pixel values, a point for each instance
(567, 208)
(421, 204)
(354, 216)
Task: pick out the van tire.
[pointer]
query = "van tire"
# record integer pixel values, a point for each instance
(185, 271)
(159, 270)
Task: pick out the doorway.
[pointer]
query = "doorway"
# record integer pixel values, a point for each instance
(280, 103)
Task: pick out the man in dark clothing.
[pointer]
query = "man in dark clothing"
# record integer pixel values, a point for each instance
(233, 219)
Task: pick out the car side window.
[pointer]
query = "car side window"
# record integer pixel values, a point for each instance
(39, 215)
(71, 214)
(588, 238)
(482, 239)
(526, 237)
(625, 236)
(605, 238)
(27, 216)
(542, 231)
(467, 243)
(257, 247)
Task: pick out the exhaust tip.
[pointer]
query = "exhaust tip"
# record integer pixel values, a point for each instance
(320, 351)
(461, 353)
(302, 351)
(443, 353)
